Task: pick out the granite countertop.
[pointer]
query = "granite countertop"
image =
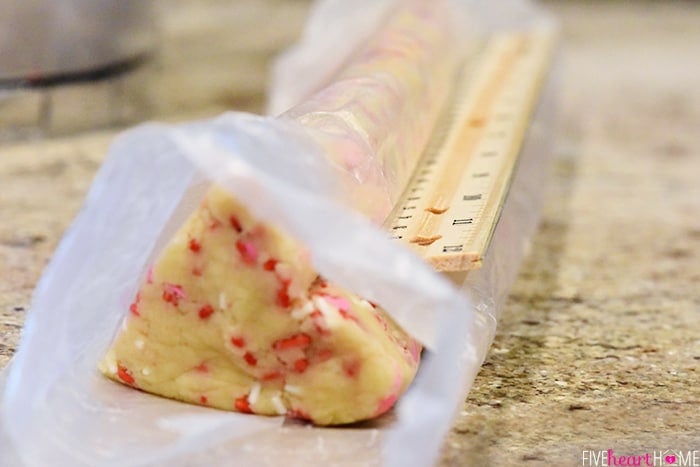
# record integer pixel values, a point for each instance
(599, 345)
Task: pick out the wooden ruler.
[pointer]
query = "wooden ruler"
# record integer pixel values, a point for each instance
(451, 206)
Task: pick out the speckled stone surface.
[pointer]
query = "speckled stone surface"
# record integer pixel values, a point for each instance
(42, 186)
(599, 344)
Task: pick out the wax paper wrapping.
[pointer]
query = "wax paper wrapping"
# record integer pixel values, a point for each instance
(57, 410)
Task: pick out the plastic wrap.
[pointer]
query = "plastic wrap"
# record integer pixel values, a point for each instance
(57, 410)
(385, 103)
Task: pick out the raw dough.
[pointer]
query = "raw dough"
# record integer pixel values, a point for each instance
(233, 316)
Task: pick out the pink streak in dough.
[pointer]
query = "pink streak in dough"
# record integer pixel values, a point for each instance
(388, 402)
(339, 302)
(375, 119)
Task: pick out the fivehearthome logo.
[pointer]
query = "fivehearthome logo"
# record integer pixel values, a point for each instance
(655, 458)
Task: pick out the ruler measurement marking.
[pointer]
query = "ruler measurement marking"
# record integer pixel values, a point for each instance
(451, 167)
(457, 192)
(520, 109)
(468, 220)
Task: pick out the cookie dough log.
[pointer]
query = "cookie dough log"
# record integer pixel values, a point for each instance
(233, 316)
(375, 119)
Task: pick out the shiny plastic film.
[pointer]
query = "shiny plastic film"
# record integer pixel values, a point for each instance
(326, 171)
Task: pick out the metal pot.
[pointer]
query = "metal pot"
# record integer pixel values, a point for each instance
(49, 39)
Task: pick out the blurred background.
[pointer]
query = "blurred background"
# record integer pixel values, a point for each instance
(598, 345)
(83, 64)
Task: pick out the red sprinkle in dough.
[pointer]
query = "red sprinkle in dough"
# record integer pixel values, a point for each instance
(298, 414)
(250, 359)
(301, 365)
(248, 251)
(300, 341)
(270, 264)
(236, 224)
(125, 375)
(206, 311)
(202, 368)
(283, 298)
(195, 246)
(196, 271)
(271, 375)
(324, 355)
(340, 303)
(173, 293)
(238, 342)
(242, 404)
(351, 368)
(169, 297)
(134, 307)
(203, 399)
